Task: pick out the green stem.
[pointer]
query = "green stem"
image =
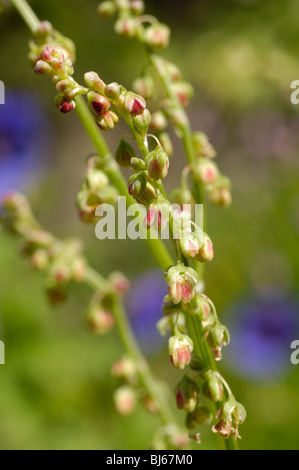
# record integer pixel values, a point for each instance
(130, 344)
(27, 14)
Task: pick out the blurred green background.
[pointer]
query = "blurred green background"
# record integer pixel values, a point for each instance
(241, 56)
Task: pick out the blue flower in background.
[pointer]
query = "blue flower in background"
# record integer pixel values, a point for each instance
(144, 305)
(262, 330)
(24, 140)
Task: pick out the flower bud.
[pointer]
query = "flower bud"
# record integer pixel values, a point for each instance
(120, 282)
(96, 179)
(213, 388)
(180, 349)
(159, 121)
(125, 369)
(166, 143)
(94, 82)
(78, 269)
(157, 36)
(157, 163)
(173, 71)
(144, 86)
(206, 252)
(201, 415)
(220, 197)
(107, 121)
(201, 308)
(187, 394)
(183, 91)
(43, 68)
(202, 146)
(137, 164)
(127, 27)
(181, 282)
(64, 105)
(137, 7)
(219, 192)
(98, 103)
(124, 400)
(157, 215)
(142, 121)
(191, 242)
(134, 104)
(112, 91)
(124, 153)
(100, 321)
(106, 9)
(205, 171)
(137, 185)
(40, 259)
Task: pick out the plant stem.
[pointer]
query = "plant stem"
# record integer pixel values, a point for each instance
(194, 325)
(152, 387)
(27, 14)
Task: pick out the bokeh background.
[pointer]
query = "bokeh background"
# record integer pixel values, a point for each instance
(241, 56)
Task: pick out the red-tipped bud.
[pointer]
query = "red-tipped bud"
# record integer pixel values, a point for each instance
(127, 27)
(180, 349)
(206, 171)
(43, 68)
(100, 321)
(206, 252)
(125, 369)
(120, 282)
(157, 216)
(157, 36)
(134, 104)
(157, 163)
(112, 91)
(181, 283)
(124, 400)
(64, 105)
(173, 71)
(183, 91)
(98, 103)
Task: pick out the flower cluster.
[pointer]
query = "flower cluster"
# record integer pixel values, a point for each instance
(53, 63)
(95, 190)
(62, 261)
